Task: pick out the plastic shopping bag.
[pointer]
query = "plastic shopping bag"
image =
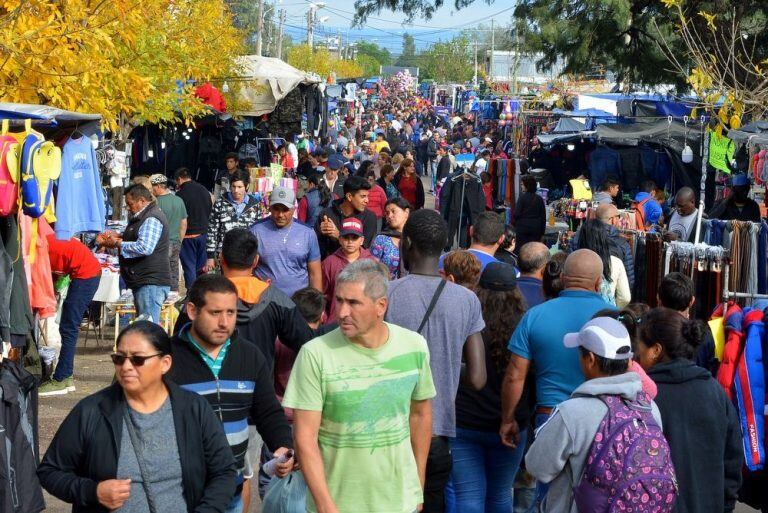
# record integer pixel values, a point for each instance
(287, 495)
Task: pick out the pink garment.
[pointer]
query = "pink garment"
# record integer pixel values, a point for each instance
(649, 386)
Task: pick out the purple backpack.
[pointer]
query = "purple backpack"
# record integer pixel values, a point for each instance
(629, 467)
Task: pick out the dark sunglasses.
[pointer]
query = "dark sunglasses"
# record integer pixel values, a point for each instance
(136, 360)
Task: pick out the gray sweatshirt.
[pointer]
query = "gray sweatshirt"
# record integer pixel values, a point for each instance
(602, 197)
(562, 444)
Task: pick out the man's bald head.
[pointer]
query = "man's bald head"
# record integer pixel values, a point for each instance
(583, 269)
(607, 213)
(685, 201)
(532, 259)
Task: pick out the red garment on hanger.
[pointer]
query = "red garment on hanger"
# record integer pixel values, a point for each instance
(211, 96)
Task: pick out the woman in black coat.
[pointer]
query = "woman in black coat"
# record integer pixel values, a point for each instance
(530, 214)
(94, 464)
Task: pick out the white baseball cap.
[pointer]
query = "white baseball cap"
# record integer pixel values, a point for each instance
(603, 336)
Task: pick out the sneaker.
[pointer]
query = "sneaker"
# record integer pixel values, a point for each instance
(56, 387)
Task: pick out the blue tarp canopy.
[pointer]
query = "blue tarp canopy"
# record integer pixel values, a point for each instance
(46, 118)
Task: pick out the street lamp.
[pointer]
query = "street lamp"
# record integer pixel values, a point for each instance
(262, 13)
(311, 14)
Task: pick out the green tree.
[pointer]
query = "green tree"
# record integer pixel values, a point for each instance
(408, 57)
(381, 55)
(412, 8)
(368, 64)
(451, 61)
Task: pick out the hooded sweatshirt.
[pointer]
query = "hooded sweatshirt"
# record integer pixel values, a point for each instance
(559, 452)
(702, 428)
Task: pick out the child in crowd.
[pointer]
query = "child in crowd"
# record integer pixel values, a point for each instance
(462, 268)
(568, 447)
(351, 238)
(485, 178)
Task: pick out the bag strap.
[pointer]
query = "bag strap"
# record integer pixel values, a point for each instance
(431, 306)
(138, 450)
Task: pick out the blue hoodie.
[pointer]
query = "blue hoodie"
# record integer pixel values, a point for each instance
(80, 203)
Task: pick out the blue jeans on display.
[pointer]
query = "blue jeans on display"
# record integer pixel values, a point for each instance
(149, 299)
(483, 471)
(193, 257)
(541, 488)
(79, 296)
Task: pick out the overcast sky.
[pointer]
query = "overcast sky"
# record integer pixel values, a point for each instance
(386, 28)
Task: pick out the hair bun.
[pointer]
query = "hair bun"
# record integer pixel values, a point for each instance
(693, 332)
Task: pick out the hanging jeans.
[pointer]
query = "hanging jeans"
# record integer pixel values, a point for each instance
(483, 471)
(79, 296)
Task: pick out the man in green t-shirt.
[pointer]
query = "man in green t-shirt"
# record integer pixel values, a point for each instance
(360, 394)
(176, 213)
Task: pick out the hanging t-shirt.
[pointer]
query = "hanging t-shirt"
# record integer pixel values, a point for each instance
(80, 203)
(365, 398)
(721, 151)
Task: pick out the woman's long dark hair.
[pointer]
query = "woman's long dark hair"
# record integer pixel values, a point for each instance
(502, 310)
(363, 169)
(592, 236)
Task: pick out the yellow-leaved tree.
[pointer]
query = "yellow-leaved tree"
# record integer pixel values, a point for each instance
(128, 60)
(322, 62)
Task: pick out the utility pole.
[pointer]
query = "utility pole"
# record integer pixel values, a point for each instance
(474, 79)
(280, 35)
(311, 28)
(493, 49)
(259, 26)
(341, 55)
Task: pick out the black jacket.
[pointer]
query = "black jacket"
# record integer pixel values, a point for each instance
(450, 198)
(328, 245)
(243, 390)
(20, 490)
(702, 428)
(86, 448)
(727, 210)
(530, 215)
(420, 198)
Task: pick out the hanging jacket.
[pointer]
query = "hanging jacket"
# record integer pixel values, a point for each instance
(734, 337)
(749, 388)
(603, 162)
(20, 490)
(80, 203)
(37, 265)
(450, 198)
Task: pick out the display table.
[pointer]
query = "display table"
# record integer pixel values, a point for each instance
(124, 306)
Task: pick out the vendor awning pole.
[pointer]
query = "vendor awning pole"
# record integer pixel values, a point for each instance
(704, 160)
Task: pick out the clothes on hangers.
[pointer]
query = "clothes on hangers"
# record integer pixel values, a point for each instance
(461, 198)
(80, 205)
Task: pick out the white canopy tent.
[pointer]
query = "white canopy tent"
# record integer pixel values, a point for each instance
(266, 81)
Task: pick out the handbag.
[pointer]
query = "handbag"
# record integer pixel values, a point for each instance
(138, 449)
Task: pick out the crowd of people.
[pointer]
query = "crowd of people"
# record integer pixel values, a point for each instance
(334, 333)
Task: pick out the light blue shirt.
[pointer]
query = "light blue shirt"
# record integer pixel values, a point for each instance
(539, 338)
(285, 254)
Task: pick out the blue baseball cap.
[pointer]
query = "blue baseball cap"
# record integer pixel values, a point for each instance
(335, 161)
(739, 180)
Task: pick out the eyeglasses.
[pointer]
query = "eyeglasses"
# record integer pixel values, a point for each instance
(136, 360)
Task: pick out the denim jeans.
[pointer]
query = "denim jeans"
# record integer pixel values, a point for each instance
(148, 300)
(541, 488)
(236, 506)
(483, 471)
(79, 296)
(193, 258)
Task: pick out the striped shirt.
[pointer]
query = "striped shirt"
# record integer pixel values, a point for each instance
(213, 363)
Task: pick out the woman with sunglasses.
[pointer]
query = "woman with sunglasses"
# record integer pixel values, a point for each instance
(143, 444)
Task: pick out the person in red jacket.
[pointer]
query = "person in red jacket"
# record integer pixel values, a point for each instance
(71, 258)
(377, 197)
(351, 237)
